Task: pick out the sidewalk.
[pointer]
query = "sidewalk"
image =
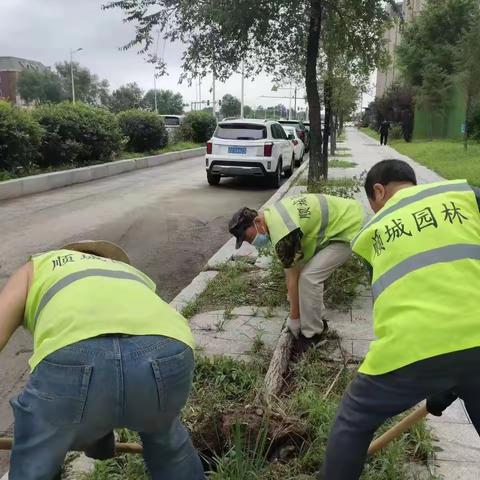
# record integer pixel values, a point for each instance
(458, 457)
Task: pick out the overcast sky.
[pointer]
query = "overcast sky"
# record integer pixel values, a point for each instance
(46, 30)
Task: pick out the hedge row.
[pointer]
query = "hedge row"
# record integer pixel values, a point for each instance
(78, 135)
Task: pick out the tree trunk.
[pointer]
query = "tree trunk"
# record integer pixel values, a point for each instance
(333, 136)
(340, 128)
(313, 96)
(327, 91)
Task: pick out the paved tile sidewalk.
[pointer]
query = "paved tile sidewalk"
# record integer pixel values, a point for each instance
(459, 458)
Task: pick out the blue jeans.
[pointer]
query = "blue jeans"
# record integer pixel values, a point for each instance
(78, 394)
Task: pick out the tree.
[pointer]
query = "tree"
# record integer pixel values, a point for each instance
(467, 62)
(244, 35)
(168, 102)
(231, 106)
(88, 87)
(435, 48)
(41, 87)
(127, 97)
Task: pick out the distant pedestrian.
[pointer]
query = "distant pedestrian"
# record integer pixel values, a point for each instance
(108, 353)
(384, 131)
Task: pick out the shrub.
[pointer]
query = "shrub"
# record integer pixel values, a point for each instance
(145, 131)
(396, 133)
(474, 125)
(77, 134)
(20, 137)
(198, 127)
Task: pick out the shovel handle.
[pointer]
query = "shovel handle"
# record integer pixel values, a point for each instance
(135, 448)
(401, 427)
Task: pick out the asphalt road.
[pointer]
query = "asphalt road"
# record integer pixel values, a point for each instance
(168, 219)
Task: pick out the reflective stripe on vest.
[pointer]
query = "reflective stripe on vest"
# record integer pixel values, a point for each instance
(291, 225)
(68, 280)
(424, 259)
(424, 249)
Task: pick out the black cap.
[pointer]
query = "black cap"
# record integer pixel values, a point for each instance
(240, 222)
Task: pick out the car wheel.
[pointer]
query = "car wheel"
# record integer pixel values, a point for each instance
(289, 170)
(300, 160)
(276, 177)
(213, 179)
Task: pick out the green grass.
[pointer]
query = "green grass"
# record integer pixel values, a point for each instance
(446, 157)
(335, 163)
(237, 285)
(176, 147)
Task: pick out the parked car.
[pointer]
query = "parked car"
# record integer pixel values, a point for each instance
(298, 145)
(301, 130)
(244, 147)
(172, 124)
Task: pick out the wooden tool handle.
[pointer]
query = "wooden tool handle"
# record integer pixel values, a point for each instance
(135, 448)
(398, 429)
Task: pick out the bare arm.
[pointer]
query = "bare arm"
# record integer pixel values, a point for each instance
(292, 275)
(13, 298)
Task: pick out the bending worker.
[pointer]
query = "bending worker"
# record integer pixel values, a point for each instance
(423, 246)
(311, 235)
(108, 353)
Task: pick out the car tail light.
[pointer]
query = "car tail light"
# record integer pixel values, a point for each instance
(301, 134)
(209, 148)
(267, 149)
(295, 142)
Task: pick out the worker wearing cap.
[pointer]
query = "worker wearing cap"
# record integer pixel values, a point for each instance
(423, 246)
(311, 235)
(108, 353)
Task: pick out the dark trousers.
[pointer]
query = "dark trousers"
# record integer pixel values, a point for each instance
(383, 138)
(370, 400)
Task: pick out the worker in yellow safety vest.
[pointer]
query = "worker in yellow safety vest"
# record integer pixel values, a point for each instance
(311, 235)
(108, 353)
(423, 248)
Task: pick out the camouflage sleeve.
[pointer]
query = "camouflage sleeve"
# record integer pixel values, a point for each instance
(289, 249)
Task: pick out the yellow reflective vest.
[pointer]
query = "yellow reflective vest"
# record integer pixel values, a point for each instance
(424, 249)
(321, 218)
(75, 296)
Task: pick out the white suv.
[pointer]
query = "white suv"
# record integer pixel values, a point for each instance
(244, 147)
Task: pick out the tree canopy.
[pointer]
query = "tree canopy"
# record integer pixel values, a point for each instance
(126, 97)
(41, 87)
(168, 102)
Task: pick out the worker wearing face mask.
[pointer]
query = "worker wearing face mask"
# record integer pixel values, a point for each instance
(311, 235)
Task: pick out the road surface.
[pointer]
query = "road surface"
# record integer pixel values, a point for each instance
(168, 219)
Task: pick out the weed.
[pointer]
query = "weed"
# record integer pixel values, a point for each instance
(342, 286)
(236, 285)
(335, 163)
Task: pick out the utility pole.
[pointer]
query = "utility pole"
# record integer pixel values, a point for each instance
(214, 100)
(295, 107)
(242, 105)
(290, 102)
(71, 71)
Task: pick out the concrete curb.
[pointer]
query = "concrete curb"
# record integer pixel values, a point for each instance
(49, 181)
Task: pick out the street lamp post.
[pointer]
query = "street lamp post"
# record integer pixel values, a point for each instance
(71, 71)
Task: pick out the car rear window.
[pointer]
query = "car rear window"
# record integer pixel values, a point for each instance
(240, 131)
(171, 121)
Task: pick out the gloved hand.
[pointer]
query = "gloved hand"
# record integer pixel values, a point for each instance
(294, 326)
